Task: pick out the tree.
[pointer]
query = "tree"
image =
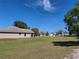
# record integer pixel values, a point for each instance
(59, 32)
(20, 24)
(28, 28)
(71, 18)
(47, 33)
(36, 31)
(75, 28)
(42, 33)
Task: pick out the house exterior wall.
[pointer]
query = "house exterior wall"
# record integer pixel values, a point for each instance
(10, 35)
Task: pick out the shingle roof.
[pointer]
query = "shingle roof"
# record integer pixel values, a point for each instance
(14, 29)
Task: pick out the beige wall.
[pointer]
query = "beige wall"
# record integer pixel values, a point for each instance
(3, 35)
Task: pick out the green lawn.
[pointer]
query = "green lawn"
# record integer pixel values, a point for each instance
(35, 48)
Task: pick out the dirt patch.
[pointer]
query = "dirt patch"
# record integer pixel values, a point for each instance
(73, 55)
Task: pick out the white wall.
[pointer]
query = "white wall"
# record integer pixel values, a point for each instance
(9, 35)
(52, 35)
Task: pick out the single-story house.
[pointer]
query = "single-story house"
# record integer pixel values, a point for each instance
(52, 35)
(15, 32)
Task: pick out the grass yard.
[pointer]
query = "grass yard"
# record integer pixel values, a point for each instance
(35, 48)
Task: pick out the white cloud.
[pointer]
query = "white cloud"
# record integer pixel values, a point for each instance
(45, 4)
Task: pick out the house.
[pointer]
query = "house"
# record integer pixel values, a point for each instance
(15, 32)
(66, 33)
(52, 34)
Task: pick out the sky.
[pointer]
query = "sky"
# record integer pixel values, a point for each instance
(47, 15)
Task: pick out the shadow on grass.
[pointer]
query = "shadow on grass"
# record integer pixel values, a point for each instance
(66, 43)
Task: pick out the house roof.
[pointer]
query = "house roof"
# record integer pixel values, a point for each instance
(14, 29)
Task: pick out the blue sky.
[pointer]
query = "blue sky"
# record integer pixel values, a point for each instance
(47, 15)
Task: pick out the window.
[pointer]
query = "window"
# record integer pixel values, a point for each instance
(19, 33)
(25, 34)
